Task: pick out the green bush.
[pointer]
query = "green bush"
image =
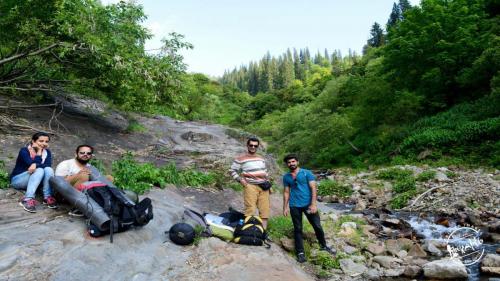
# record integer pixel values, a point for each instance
(394, 174)
(282, 226)
(4, 176)
(325, 261)
(279, 227)
(399, 201)
(195, 178)
(426, 175)
(138, 177)
(404, 185)
(135, 127)
(330, 187)
(451, 174)
(235, 186)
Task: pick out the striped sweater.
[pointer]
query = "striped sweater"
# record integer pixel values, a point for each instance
(250, 167)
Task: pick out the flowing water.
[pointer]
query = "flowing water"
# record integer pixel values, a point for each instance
(427, 230)
(454, 236)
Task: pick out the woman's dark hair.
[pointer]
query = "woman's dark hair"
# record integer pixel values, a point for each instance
(289, 157)
(254, 139)
(84, 145)
(36, 136)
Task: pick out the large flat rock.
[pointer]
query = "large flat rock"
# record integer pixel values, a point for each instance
(50, 245)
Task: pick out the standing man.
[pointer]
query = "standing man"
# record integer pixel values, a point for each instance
(77, 170)
(300, 194)
(250, 171)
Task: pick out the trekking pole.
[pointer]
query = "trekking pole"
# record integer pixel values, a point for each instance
(110, 221)
(111, 228)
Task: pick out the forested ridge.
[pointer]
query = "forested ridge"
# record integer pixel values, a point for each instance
(426, 87)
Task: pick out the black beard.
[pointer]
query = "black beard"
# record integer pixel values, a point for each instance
(293, 168)
(81, 161)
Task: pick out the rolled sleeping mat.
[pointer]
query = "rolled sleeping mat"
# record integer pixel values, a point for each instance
(130, 196)
(83, 202)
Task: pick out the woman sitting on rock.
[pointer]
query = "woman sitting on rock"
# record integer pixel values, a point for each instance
(33, 166)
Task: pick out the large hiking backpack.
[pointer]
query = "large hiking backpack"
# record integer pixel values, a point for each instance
(251, 232)
(123, 212)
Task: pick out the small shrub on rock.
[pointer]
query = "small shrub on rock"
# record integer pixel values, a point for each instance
(426, 176)
(325, 261)
(399, 201)
(404, 185)
(4, 176)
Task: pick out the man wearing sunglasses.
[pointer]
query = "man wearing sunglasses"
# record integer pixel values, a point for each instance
(300, 195)
(77, 170)
(250, 171)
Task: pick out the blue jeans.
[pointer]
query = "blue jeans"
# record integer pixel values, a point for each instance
(30, 182)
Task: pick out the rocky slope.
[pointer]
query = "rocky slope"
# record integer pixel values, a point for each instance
(373, 243)
(50, 245)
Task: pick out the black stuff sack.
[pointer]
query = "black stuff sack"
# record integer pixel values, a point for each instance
(182, 234)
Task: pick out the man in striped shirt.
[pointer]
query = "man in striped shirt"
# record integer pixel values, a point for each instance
(250, 171)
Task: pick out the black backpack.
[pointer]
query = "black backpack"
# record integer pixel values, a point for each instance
(251, 232)
(123, 212)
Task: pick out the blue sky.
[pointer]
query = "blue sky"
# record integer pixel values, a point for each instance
(229, 33)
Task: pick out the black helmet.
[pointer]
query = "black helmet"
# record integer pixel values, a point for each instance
(182, 234)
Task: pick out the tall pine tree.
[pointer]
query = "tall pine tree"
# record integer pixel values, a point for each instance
(404, 5)
(395, 16)
(377, 36)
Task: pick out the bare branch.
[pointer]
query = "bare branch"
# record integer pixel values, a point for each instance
(29, 106)
(54, 117)
(27, 89)
(19, 56)
(13, 79)
(354, 147)
(9, 122)
(423, 194)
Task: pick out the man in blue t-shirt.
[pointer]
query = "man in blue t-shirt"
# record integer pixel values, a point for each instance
(300, 194)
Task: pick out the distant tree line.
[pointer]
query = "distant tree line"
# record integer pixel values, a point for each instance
(271, 73)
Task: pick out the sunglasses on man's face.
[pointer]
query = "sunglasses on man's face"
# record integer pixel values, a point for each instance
(253, 145)
(84, 153)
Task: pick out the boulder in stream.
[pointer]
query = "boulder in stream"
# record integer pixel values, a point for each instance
(417, 251)
(387, 262)
(445, 269)
(491, 264)
(349, 267)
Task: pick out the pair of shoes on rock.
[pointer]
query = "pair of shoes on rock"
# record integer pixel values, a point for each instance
(29, 204)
